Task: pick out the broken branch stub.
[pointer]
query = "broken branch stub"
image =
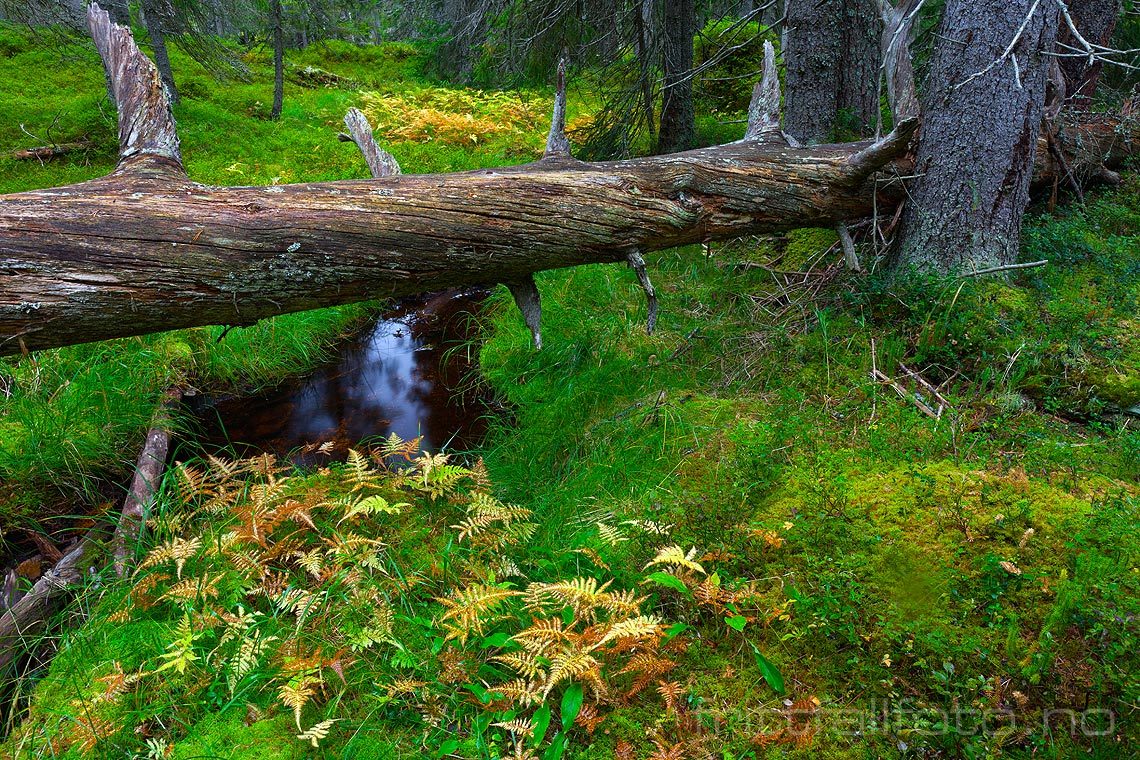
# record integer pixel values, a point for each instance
(380, 162)
(146, 123)
(898, 67)
(881, 152)
(637, 263)
(764, 110)
(557, 143)
(526, 297)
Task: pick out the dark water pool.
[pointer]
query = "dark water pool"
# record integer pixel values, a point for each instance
(409, 373)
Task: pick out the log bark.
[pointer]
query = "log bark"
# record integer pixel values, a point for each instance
(22, 624)
(48, 152)
(144, 485)
(147, 249)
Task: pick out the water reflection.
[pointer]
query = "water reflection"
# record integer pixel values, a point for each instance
(398, 376)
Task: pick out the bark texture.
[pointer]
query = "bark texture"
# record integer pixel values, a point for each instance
(678, 119)
(831, 58)
(812, 42)
(858, 86)
(981, 120)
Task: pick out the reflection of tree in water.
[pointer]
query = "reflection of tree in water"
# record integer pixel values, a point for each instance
(392, 378)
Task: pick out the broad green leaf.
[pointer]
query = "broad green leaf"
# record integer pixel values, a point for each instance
(479, 691)
(557, 748)
(499, 639)
(571, 704)
(769, 671)
(736, 622)
(540, 723)
(446, 748)
(675, 630)
(669, 581)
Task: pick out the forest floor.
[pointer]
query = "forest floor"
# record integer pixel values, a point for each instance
(723, 540)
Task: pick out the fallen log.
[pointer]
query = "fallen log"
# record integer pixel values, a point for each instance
(48, 152)
(147, 249)
(144, 485)
(22, 624)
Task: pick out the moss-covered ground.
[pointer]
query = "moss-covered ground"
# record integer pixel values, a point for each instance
(865, 580)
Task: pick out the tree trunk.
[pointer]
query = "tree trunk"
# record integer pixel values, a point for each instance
(120, 11)
(278, 59)
(831, 59)
(858, 87)
(981, 119)
(812, 42)
(642, 14)
(153, 21)
(1096, 21)
(678, 119)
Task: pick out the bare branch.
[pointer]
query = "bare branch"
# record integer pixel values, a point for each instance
(527, 298)
(380, 162)
(764, 110)
(557, 144)
(850, 257)
(637, 263)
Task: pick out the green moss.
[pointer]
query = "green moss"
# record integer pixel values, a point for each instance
(233, 734)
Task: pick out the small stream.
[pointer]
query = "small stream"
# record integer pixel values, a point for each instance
(409, 373)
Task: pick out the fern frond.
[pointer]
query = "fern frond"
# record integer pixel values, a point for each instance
(670, 692)
(467, 608)
(296, 694)
(524, 663)
(520, 691)
(611, 535)
(177, 550)
(569, 664)
(360, 471)
(675, 556)
(648, 526)
(582, 595)
(317, 733)
(517, 727)
(636, 628)
(543, 636)
(625, 602)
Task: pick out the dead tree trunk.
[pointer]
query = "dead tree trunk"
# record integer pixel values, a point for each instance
(981, 120)
(147, 249)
